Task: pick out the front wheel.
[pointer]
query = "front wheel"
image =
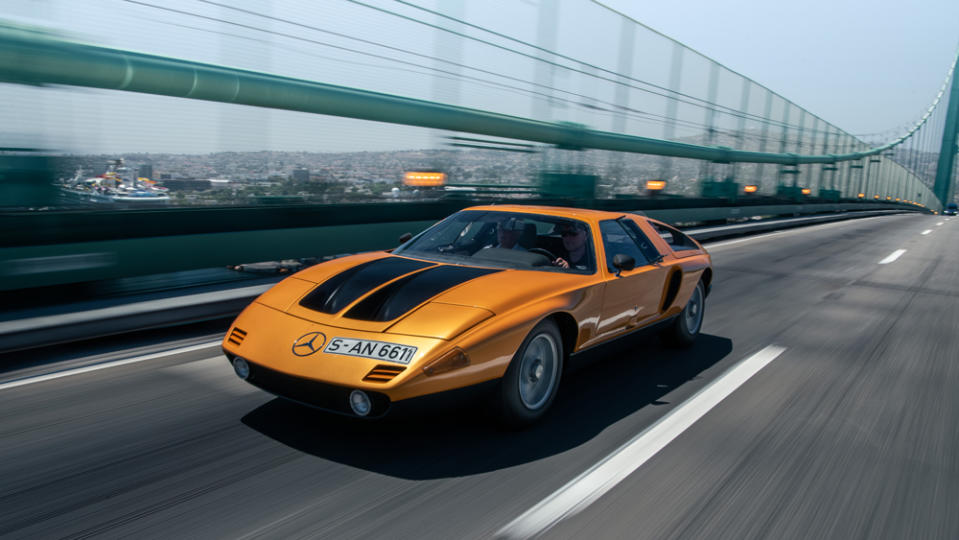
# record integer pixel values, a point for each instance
(683, 330)
(532, 379)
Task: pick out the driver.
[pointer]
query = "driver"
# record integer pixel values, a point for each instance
(574, 242)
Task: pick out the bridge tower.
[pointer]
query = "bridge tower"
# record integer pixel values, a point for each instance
(945, 188)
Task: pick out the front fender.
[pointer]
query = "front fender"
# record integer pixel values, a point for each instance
(492, 344)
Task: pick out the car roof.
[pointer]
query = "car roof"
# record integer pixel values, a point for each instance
(555, 211)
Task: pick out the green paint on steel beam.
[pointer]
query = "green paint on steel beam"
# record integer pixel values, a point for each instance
(944, 187)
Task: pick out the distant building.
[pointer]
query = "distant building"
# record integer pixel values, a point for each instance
(146, 171)
(301, 174)
(186, 184)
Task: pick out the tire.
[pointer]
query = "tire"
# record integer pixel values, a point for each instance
(683, 330)
(532, 379)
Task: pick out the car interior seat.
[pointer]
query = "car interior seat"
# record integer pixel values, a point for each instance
(527, 239)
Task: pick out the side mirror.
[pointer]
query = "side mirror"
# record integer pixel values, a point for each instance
(623, 262)
(405, 237)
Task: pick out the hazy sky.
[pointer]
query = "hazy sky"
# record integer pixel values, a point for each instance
(866, 67)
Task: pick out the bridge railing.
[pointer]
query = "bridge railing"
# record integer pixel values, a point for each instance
(625, 90)
(52, 248)
(669, 114)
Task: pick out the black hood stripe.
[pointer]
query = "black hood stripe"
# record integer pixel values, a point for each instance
(342, 289)
(402, 295)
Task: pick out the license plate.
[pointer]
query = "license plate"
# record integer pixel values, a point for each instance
(377, 350)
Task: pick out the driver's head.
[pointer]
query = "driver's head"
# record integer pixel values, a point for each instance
(573, 234)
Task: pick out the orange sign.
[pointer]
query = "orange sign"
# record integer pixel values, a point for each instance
(424, 179)
(655, 185)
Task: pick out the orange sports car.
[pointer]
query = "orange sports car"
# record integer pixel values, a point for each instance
(491, 294)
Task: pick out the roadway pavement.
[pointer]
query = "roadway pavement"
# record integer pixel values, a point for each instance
(849, 428)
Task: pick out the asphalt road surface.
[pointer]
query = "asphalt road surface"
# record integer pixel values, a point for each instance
(819, 402)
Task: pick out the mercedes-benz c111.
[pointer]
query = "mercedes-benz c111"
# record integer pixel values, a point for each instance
(499, 296)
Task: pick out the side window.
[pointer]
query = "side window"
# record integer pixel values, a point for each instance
(640, 238)
(676, 240)
(617, 240)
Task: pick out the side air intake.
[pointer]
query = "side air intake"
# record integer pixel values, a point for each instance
(672, 288)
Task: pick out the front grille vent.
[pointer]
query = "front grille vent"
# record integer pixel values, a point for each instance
(237, 336)
(383, 373)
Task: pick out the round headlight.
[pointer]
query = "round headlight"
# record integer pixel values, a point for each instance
(360, 402)
(241, 367)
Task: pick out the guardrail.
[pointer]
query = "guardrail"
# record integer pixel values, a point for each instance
(95, 318)
(59, 247)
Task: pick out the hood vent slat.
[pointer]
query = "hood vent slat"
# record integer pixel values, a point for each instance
(383, 373)
(236, 336)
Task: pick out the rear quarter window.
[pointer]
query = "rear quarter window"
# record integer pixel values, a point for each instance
(676, 240)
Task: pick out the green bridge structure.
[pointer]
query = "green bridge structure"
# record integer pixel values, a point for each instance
(696, 116)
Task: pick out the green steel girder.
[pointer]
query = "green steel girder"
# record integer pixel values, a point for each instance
(944, 187)
(37, 58)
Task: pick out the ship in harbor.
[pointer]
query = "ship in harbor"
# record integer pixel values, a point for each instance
(117, 185)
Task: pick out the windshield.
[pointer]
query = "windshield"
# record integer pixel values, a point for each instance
(506, 240)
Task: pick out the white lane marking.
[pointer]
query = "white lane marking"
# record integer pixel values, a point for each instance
(589, 486)
(107, 365)
(927, 231)
(939, 224)
(893, 256)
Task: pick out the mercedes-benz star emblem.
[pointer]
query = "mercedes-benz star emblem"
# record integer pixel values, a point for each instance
(308, 344)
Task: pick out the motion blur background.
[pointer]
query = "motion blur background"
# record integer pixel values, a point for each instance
(865, 81)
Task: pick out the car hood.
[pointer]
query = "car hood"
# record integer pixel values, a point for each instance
(410, 296)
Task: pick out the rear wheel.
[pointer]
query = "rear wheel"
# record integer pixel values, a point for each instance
(683, 330)
(532, 379)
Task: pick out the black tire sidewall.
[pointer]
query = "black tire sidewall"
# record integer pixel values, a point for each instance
(513, 411)
(678, 333)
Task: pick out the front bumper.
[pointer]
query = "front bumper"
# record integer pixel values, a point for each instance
(320, 395)
(335, 399)
(265, 337)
